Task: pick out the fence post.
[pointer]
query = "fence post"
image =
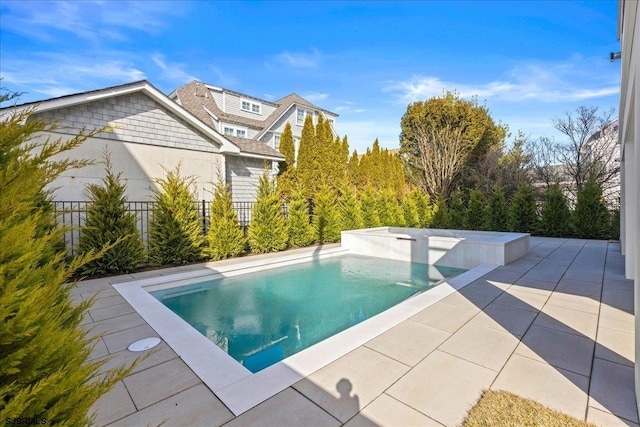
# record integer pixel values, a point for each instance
(204, 216)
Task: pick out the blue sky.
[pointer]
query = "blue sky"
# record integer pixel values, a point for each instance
(528, 62)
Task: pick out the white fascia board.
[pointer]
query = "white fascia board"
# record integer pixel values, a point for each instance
(267, 129)
(259, 156)
(216, 88)
(210, 113)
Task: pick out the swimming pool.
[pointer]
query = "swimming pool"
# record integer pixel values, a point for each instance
(264, 317)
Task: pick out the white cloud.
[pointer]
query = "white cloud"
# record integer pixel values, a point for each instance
(310, 59)
(315, 96)
(89, 20)
(577, 79)
(172, 71)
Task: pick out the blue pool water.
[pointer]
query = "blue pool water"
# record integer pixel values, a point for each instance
(264, 317)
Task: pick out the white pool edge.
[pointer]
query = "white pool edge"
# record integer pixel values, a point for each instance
(238, 388)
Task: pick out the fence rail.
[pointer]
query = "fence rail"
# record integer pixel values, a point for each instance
(74, 213)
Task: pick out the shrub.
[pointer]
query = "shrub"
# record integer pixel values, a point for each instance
(350, 210)
(474, 216)
(370, 216)
(389, 210)
(425, 211)
(410, 212)
(268, 229)
(108, 221)
(555, 219)
(326, 219)
(225, 236)
(175, 232)
(497, 217)
(523, 215)
(456, 211)
(590, 218)
(298, 225)
(614, 233)
(440, 217)
(44, 367)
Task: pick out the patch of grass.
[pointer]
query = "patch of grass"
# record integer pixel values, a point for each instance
(504, 409)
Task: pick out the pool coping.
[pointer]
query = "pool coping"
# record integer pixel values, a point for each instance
(238, 388)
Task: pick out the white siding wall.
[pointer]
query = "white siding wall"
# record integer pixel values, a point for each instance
(233, 105)
(243, 175)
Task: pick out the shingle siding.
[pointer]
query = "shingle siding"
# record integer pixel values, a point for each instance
(132, 118)
(242, 175)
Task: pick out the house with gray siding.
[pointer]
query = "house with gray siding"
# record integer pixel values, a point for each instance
(146, 134)
(251, 123)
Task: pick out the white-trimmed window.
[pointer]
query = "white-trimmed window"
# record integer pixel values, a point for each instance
(332, 123)
(251, 107)
(276, 142)
(241, 133)
(302, 113)
(228, 131)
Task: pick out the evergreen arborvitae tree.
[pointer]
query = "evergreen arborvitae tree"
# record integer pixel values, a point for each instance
(425, 211)
(389, 211)
(268, 227)
(175, 232)
(555, 220)
(45, 369)
(474, 218)
(307, 166)
(614, 233)
(326, 218)
(497, 217)
(440, 217)
(225, 236)
(523, 214)
(370, 216)
(590, 218)
(456, 211)
(410, 211)
(350, 210)
(298, 225)
(286, 169)
(108, 221)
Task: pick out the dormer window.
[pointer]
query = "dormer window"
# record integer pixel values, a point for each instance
(301, 114)
(251, 107)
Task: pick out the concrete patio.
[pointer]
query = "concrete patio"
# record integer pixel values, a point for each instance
(556, 326)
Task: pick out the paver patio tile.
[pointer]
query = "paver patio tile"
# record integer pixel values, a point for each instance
(621, 300)
(470, 298)
(120, 340)
(114, 324)
(480, 344)
(585, 273)
(500, 276)
(160, 354)
(387, 411)
(522, 300)
(572, 321)
(553, 387)
(345, 386)
(409, 342)
(574, 302)
(521, 265)
(614, 318)
(550, 273)
(559, 349)
(107, 302)
(159, 382)
(109, 312)
(103, 293)
(196, 406)
(614, 285)
(446, 317)
(505, 318)
(113, 405)
(534, 286)
(580, 287)
(443, 387)
(612, 389)
(490, 286)
(287, 408)
(615, 346)
(602, 418)
(100, 350)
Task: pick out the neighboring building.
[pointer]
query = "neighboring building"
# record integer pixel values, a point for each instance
(147, 133)
(253, 124)
(629, 35)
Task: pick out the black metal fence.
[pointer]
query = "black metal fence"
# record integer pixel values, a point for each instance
(73, 214)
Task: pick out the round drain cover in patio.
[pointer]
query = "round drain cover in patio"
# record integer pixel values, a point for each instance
(144, 344)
